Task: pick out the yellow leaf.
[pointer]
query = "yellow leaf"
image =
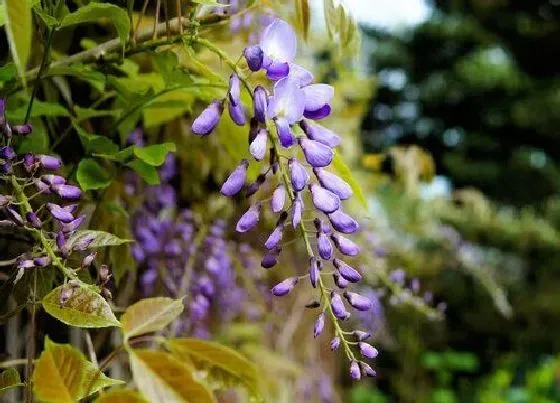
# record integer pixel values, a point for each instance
(164, 379)
(150, 315)
(345, 173)
(17, 15)
(122, 396)
(62, 374)
(224, 366)
(85, 308)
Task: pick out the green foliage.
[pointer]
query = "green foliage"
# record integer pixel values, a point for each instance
(150, 315)
(100, 239)
(345, 173)
(63, 375)
(91, 175)
(9, 378)
(17, 19)
(154, 155)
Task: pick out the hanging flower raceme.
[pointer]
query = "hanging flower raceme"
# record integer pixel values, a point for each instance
(282, 126)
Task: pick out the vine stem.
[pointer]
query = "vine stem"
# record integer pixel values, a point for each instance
(31, 344)
(13, 363)
(42, 69)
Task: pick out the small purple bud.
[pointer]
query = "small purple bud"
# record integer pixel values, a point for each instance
(275, 238)
(345, 245)
(258, 146)
(297, 210)
(361, 335)
(33, 220)
(88, 260)
(338, 307)
(73, 225)
(324, 246)
(234, 92)
(261, 104)
(355, 373)
(42, 186)
(313, 272)
(7, 153)
(53, 179)
(317, 155)
(60, 213)
(237, 113)
(323, 199)
(42, 261)
(15, 216)
(30, 163)
(415, 285)
(346, 271)
(284, 287)
(208, 119)
(428, 297)
(319, 325)
(333, 183)
(22, 130)
(278, 199)
(335, 343)
(206, 286)
(358, 301)
(342, 222)
(319, 113)
(249, 219)
(367, 350)
(69, 192)
(6, 167)
(340, 281)
(49, 162)
(254, 56)
(367, 370)
(299, 175)
(60, 240)
(235, 181)
(320, 134)
(270, 259)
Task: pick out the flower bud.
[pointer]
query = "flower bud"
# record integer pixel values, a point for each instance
(278, 199)
(42, 261)
(297, 210)
(319, 324)
(65, 294)
(73, 225)
(346, 271)
(261, 104)
(313, 272)
(367, 350)
(324, 246)
(335, 343)
(33, 220)
(258, 146)
(355, 371)
(342, 222)
(284, 287)
(7, 153)
(104, 274)
(22, 130)
(255, 186)
(270, 259)
(254, 56)
(30, 163)
(23, 263)
(208, 119)
(15, 216)
(333, 183)
(59, 213)
(358, 301)
(275, 237)
(361, 335)
(323, 199)
(338, 307)
(5, 200)
(49, 162)
(234, 92)
(88, 260)
(320, 134)
(249, 219)
(235, 181)
(83, 243)
(68, 192)
(105, 293)
(237, 113)
(299, 175)
(340, 281)
(345, 245)
(367, 370)
(53, 179)
(316, 154)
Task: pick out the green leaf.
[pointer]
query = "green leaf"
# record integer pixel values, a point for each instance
(81, 72)
(38, 141)
(345, 173)
(154, 155)
(88, 113)
(148, 172)
(164, 379)
(150, 315)
(224, 366)
(94, 11)
(39, 109)
(62, 374)
(9, 71)
(85, 308)
(9, 379)
(100, 239)
(17, 17)
(91, 175)
(122, 396)
(95, 144)
(47, 19)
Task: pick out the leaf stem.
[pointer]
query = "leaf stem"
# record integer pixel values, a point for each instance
(42, 70)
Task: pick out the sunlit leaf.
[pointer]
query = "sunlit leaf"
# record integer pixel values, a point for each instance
(95, 144)
(150, 315)
(80, 71)
(303, 16)
(164, 379)
(88, 113)
(9, 379)
(122, 396)
(47, 19)
(95, 11)
(345, 173)
(100, 239)
(154, 155)
(17, 17)
(225, 367)
(62, 374)
(91, 175)
(148, 172)
(39, 109)
(85, 308)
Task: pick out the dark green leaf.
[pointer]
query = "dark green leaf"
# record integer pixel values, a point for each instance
(47, 19)
(148, 172)
(91, 175)
(7, 72)
(39, 109)
(38, 142)
(88, 113)
(17, 17)
(154, 155)
(94, 144)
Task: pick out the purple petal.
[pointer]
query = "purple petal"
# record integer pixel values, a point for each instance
(324, 246)
(42, 261)
(260, 104)
(335, 343)
(342, 222)
(361, 336)
(338, 307)
(69, 192)
(73, 225)
(324, 199)
(258, 146)
(298, 175)
(249, 219)
(355, 373)
(347, 271)
(313, 270)
(270, 259)
(284, 133)
(49, 162)
(319, 325)
(254, 56)
(358, 301)
(317, 96)
(235, 180)
(279, 42)
(340, 281)
(276, 71)
(321, 134)
(275, 238)
(333, 183)
(367, 370)
(297, 210)
(53, 179)
(208, 119)
(33, 220)
(234, 92)
(302, 76)
(367, 350)
(60, 213)
(319, 113)
(237, 113)
(317, 155)
(278, 199)
(22, 130)
(287, 102)
(345, 245)
(7, 153)
(284, 287)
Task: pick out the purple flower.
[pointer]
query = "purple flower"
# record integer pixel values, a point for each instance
(42, 261)
(345, 245)
(49, 162)
(361, 335)
(335, 343)
(321, 134)
(60, 213)
(235, 181)
(324, 246)
(88, 260)
(15, 216)
(234, 92)
(284, 287)
(367, 370)
(313, 272)
(22, 130)
(333, 183)
(237, 113)
(302, 76)
(317, 96)
(83, 243)
(319, 325)
(346, 271)
(33, 219)
(270, 259)
(278, 199)
(25, 264)
(297, 209)
(53, 179)
(340, 281)
(367, 350)
(338, 307)
(298, 174)
(249, 219)
(279, 45)
(316, 154)
(73, 225)
(342, 222)
(260, 104)
(286, 107)
(358, 301)
(259, 144)
(254, 56)
(69, 192)
(208, 119)
(7, 153)
(275, 238)
(323, 199)
(319, 113)
(355, 371)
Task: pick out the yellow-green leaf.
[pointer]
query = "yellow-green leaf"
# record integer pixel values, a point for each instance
(303, 16)
(9, 379)
(100, 239)
(85, 308)
(225, 367)
(345, 173)
(122, 396)
(150, 315)
(17, 17)
(62, 374)
(164, 379)
(154, 155)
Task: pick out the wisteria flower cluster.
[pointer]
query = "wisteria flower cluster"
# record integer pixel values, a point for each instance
(283, 124)
(43, 203)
